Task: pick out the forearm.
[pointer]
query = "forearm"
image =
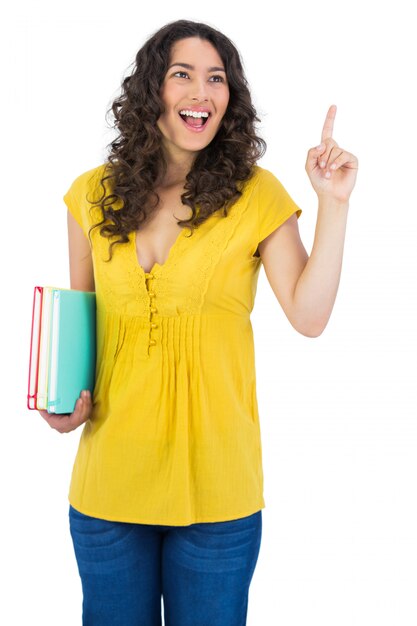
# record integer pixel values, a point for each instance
(317, 286)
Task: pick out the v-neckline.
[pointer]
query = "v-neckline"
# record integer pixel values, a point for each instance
(156, 267)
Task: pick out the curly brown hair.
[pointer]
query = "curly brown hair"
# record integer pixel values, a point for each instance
(136, 159)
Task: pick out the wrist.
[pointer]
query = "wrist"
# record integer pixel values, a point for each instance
(332, 203)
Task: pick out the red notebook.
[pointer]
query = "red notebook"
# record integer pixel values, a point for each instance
(34, 348)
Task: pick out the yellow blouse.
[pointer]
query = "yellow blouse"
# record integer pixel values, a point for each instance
(174, 437)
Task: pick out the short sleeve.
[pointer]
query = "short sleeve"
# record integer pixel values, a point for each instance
(275, 204)
(76, 197)
(73, 206)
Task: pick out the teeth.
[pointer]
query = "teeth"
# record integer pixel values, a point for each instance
(194, 113)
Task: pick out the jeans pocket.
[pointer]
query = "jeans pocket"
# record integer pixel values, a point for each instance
(98, 542)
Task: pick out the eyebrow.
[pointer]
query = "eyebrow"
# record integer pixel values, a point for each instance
(191, 67)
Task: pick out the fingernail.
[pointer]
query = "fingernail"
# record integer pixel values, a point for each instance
(320, 146)
(322, 163)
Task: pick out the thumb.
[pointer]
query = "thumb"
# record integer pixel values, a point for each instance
(314, 154)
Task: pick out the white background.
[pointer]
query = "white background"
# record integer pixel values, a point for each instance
(338, 412)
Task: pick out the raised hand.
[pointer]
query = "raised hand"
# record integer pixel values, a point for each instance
(67, 423)
(331, 170)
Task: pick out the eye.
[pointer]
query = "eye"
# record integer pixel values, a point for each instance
(221, 79)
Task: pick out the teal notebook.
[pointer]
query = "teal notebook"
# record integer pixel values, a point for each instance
(72, 352)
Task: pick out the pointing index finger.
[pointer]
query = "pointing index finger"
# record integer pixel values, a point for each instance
(327, 131)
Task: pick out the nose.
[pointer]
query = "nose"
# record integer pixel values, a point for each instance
(198, 89)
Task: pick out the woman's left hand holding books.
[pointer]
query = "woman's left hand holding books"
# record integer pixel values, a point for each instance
(66, 423)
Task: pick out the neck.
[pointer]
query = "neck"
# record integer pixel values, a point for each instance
(179, 164)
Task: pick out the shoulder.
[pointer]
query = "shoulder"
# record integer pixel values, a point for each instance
(265, 180)
(81, 195)
(264, 183)
(88, 179)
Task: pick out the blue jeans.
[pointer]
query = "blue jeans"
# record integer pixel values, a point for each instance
(202, 571)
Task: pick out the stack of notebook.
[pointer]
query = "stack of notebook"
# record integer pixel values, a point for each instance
(63, 348)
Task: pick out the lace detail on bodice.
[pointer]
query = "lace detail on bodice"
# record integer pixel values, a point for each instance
(127, 288)
(213, 249)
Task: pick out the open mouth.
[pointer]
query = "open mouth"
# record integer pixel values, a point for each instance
(194, 123)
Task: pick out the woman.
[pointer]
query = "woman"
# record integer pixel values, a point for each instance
(166, 494)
